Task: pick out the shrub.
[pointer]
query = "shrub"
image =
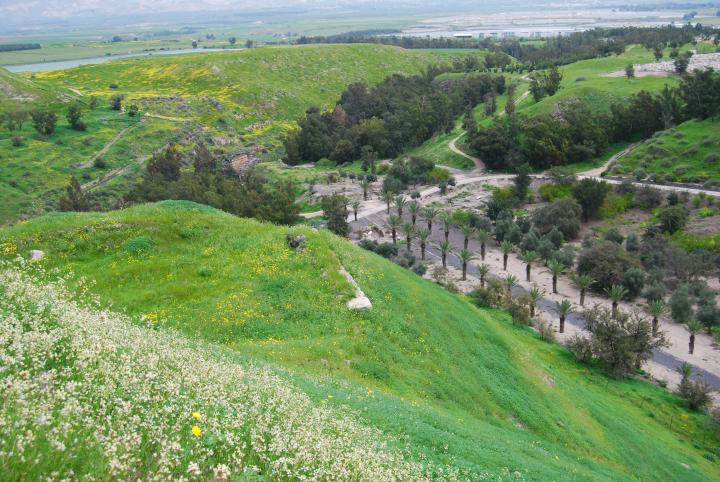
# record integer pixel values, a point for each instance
(489, 297)
(697, 394)
(634, 282)
(712, 158)
(655, 291)
(673, 219)
(325, 164)
(632, 243)
(100, 163)
(648, 198)
(545, 330)
(141, 244)
(614, 235)
(551, 192)
(116, 101)
(623, 342)
(519, 310)
(563, 214)
(606, 262)
(681, 306)
(17, 141)
(580, 347)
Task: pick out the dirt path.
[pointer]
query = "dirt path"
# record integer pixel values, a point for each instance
(479, 165)
(106, 147)
(599, 170)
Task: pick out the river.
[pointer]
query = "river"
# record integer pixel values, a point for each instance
(66, 64)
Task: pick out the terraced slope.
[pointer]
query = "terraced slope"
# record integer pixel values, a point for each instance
(457, 386)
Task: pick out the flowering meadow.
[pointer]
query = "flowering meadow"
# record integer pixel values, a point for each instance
(171, 340)
(89, 394)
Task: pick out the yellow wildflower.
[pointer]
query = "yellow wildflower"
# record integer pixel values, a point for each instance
(196, 431)
(196, 415)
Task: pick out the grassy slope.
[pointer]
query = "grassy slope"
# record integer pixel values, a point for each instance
(688, 153)
(599, 91)
(463, 385)
(257, 93)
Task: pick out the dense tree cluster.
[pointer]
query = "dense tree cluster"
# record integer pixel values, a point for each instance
(384, 120)
(575, 132)
(249, 195)
(558, 50)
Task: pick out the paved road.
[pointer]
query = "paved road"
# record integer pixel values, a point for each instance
(662, 356)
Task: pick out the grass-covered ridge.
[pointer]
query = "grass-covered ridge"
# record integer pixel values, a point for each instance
(689, 152)
(273, 85)
(458, 385)
(236, 101)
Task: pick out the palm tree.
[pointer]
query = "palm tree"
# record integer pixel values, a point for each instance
(365, 185)
(430, 213)
(693, 327)
(447, 220)
(506, 247)
(556, 268)
(685, 370)
(445, 248)
(483, 269)
(393, 223)
(510, 282)
(529, 257)
(536, 295)
(388, 198)
(482, 236)
(583, 282)
(465, 256)
(467, 231)
(423, 235)
(400, 202)
(616, 293)
(409, 231)
(656, 309)
(414, 208)
(355, 205)
(563, 308)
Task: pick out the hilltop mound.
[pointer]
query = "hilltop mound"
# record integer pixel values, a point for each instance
(244, 87)
(456, 386)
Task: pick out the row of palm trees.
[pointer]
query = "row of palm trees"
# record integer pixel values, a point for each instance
(583, 283)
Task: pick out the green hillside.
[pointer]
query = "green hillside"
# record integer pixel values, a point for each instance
(242, 100)
(689, 152)
(445, 383)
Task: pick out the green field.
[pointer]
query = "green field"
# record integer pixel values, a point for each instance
(234, 101)
(689, 152)
(452, 384)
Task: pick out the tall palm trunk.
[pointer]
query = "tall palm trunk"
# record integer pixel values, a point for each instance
(582, 297)
(482, 280)
(394, 236)
(465, 244)
(422, 250)
(414, 219)
(562, 323)
(482, 251)
(527, 272)
(614, 310)
(464, 271)
(555, 283)
(444, 260)
(430, 226)
(408, 238)
(654, 326)
(447, 234)
(505, 258)
(355, 212)
(691, 345)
